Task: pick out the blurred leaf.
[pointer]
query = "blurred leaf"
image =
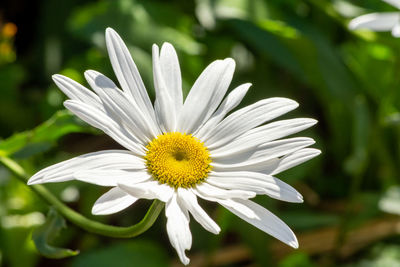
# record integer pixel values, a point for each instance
(267, 44)
(366, 205)
(46, 233)
(89, 23)
(17, 247)
(297, 259)
(130, 253)
(358, 161)
(26, 144)
(11, 78)
(304, 51)
(306, 220)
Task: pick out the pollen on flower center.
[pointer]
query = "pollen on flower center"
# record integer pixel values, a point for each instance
(177, 159)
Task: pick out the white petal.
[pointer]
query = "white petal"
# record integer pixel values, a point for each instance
(230, 102)
(253, 160)
(113, 201)
(206, 95)
(266, 222)
(112, 177)
(238, 207)
(208, 190)
(76, 91)
(226, 202)
(241, 183)
(395, 3)
(246, 119)
(149, 190)
(164, 105)
(295, 159)
(263, 134)
(107, 124)
(375, 21)
(396, 30)
(128, 75)
(101, 160)
(189, 200)
(256, 182)
(121, 107)
(171, 72)
(178, 228)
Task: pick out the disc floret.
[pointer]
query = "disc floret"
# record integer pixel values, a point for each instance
(178, 159)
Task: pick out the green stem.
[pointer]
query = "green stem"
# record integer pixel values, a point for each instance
(80, 220)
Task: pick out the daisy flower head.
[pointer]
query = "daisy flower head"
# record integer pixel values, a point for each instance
(180, 150)
(379, 22)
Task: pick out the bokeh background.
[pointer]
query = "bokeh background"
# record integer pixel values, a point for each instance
(301, 49)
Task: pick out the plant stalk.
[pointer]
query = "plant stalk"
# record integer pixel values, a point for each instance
(80, 220)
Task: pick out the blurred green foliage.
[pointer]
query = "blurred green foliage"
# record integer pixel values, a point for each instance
(303, 50)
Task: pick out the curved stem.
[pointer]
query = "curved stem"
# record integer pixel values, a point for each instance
(80, 220)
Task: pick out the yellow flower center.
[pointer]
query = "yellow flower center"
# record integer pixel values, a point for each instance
(177, 159)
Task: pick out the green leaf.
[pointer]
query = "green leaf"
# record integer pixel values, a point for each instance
(47, 233)
(129, 253)
(41, 138)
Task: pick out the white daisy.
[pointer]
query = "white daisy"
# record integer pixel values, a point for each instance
(379, 22)
(181, 150)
